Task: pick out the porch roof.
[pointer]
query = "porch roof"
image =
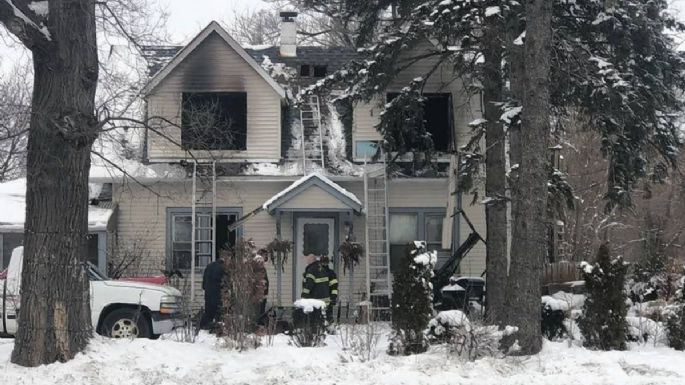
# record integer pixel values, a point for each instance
(313, 192)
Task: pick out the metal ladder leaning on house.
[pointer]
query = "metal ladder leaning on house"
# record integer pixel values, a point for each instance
(378, 281)
(203, 219)
(310, 120)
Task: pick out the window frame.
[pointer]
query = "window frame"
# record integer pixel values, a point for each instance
(421, 214)
(356, 156)
(191, 147)
(450, 118)
(187, 211)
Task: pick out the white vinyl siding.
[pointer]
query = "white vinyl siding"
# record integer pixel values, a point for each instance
(215, 67)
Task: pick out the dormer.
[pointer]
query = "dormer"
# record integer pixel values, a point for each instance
(213, 101)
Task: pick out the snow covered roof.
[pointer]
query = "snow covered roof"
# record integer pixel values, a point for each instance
(349, 200)
(13, 203)
(333, 58)
(213, 27)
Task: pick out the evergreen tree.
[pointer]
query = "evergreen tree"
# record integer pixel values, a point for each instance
(412, 300)
(675, 323)
(603, 323)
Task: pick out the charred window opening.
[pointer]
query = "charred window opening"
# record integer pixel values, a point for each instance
(214, 121)
(437, 112)
(305, 70)
(320, 71)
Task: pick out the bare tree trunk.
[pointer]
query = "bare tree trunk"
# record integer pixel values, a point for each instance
(514, 55)
(529, 237)
(495, 180)
(55, 322)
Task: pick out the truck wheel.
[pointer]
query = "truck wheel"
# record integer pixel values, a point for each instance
(126, 323)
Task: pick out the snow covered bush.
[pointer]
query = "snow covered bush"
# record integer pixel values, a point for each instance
(675, 319)
(412, 301)
(559, 312)
(309, 323)
(603, 322)
(447, 325)
(553, 327)
(467, 339)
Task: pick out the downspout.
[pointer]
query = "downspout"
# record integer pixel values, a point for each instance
(146, 159)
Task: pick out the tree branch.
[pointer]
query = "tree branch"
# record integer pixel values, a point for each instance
(23, 23)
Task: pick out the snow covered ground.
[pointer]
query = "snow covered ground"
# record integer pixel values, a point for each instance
(145, 362)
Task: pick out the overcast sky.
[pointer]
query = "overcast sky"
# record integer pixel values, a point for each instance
(188, 17)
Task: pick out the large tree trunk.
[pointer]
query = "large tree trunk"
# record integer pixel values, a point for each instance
(529, 236)
(54, 321)
(495, 180)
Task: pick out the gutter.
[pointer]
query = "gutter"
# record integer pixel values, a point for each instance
(254, 178)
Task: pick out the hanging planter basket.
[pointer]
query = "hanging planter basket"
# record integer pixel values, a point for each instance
(351, 254)
(278, 251)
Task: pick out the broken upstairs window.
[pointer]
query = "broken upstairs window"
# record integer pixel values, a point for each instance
(437, 112)
(214, 121)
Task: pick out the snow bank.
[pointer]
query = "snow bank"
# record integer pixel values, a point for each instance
(309, 304)
(646, 330)
(142, 362)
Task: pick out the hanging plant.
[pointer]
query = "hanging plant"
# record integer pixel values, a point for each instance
(351, 254)
(278, 251)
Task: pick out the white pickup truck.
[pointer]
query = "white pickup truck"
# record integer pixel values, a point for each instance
(119, 309)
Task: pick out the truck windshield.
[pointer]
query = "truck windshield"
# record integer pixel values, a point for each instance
(94, 274)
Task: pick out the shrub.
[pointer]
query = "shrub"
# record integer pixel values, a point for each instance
(239, 304)
(359, 341)
(412, 301)
(309, 323)
(603, 323)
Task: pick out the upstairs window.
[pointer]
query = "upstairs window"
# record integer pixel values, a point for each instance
(308, 70)
(437, 114)
(214, 121)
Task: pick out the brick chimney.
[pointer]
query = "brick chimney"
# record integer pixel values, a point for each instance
(288, 34)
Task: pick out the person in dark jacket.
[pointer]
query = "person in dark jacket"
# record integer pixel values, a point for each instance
(261, 286)
(320, 282)
(211, 284)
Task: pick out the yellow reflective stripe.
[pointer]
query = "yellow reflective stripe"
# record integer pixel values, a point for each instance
(305, 291)
(321, 280)
(310, 275)
(334, 292)
(333, 282)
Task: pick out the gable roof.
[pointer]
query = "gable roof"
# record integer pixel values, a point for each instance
(181, 54)
(313, 180)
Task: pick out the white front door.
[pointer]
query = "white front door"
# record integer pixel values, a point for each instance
(313, 235)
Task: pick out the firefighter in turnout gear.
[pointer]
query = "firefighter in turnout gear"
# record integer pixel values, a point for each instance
(320, 282)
